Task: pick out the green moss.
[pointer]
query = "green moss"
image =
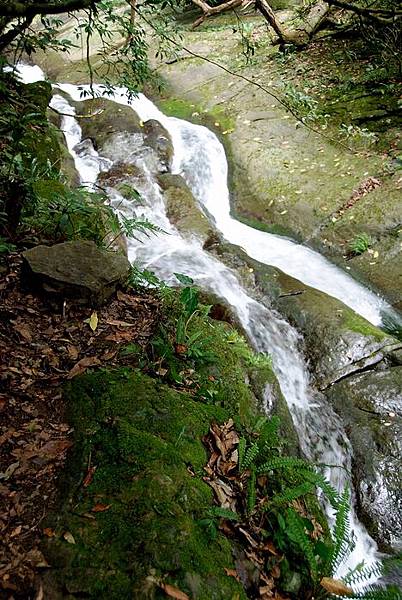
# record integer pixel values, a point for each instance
(216, 117)
(142, 437)
(355, 322)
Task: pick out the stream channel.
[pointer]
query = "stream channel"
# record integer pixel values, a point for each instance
(200, 159)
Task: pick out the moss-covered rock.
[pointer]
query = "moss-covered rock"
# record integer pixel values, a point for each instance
(145, 441)
(182, 209)
(110, 118)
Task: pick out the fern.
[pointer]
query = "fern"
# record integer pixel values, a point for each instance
(223, 513)
(250, 455)
(242, 451)
(341, 534)
(290, 494)
(283, 462)
(296, 532)
(320, 481)
(269, 435)
(375, 592)
(251, 492)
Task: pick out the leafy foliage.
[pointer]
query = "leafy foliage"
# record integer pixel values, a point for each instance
(361, 243)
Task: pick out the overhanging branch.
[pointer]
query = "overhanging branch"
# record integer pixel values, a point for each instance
(14, 9)
(380, 15)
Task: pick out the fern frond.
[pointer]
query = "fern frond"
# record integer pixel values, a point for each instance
(283, 462)
(251, 492)
(318, 479)
(242, 451)
(251, 455)
(341, 534)
(296, 532)
(223, 513)
(376, 592)
(260, 424)
(292, 493)
(269, 434)
(363, 573)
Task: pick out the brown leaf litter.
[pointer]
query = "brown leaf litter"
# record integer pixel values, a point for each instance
(41, 347)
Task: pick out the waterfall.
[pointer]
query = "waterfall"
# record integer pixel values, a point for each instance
(200, 158)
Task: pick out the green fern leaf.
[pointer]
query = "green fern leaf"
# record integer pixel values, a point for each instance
(290, 494)
(296, 532)
(251, 455)
(242, 451)
(251, 492)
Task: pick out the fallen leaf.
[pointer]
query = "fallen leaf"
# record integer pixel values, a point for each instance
(72, 352)
(127, 299)
(9, 471)
(82, 365)
(92, 321)
(334, 586)
(49, 532)
(16, 531)
(69, 537)
(117, 323)
(55, 448)
(89, 476)
(100, 507)
(173, 592)
(24, 331)
(232, 573)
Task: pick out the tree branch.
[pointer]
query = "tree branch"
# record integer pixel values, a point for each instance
(11, 34)
(380, 15)
(14, 9)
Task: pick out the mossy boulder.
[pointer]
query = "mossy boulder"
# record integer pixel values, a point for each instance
(370, 407)
(105, 118)
(145, 441)
(338, 341)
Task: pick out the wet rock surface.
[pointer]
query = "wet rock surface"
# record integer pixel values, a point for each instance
(370, 406)
(78, 270)
(157, 138)
(182, 208)
(105, 118)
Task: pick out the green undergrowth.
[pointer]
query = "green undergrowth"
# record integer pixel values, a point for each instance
(141, 436)
(145, 441)
(136, 514)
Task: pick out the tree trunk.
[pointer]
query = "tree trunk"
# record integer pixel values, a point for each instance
(302, 34)
(213, 10)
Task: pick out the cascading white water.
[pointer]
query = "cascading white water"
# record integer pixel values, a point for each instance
(200, 158)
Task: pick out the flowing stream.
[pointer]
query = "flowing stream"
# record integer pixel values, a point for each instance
(200, 159)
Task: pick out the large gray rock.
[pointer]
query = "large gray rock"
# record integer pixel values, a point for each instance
(105, 118)
(338, 341)
(370, 405)
(78, 270)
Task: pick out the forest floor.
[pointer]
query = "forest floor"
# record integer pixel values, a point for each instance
(42, 345)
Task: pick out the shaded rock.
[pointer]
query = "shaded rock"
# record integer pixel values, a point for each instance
(338, 341)
(110, 118)
(157, 138)
(182, 208)
(370, 406)
(78, 270)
